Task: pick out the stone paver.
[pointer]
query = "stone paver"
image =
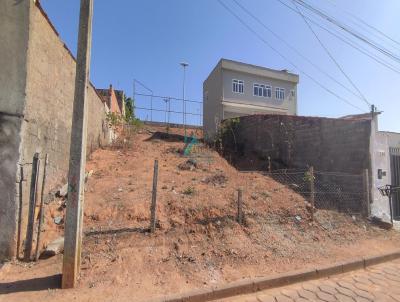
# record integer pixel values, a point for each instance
(379, 283)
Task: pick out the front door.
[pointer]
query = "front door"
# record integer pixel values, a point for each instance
(395, 172)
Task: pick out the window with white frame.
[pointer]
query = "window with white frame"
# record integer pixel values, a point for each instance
(237, 86)
(279, 93)
(267, 92)
(262, 90)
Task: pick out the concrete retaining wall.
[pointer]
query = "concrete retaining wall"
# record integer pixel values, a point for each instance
(14, 18)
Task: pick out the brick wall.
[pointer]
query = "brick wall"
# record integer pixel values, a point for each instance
(47, 116)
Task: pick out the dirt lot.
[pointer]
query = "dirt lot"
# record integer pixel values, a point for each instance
(198, 242)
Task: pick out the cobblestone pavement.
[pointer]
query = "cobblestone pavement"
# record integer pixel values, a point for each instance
(376, 283)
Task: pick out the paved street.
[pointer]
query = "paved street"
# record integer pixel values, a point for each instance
(377, 283)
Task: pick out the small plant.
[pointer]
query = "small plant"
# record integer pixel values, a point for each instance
(114, 119)
(308, 177)
(135, 122)
(226, 128)
(189, 190)
(265, 194)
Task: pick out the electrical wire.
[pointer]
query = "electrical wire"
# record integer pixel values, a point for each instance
(295, 49)
(285, 58)
(331, 56)
(347, 41)
(349, 30)
(366, 25)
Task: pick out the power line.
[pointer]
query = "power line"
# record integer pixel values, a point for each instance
(295, 50)
(331, 56)
(349, 30)
(348, 42)
(284, 57)
(366, 25)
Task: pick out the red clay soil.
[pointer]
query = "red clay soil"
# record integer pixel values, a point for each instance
(198, 242)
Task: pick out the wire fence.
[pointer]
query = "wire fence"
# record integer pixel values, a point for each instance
(166, 109)
(346, 193)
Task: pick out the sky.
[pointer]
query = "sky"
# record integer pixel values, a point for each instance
(146, 40)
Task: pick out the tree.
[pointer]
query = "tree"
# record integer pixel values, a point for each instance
(129, 109)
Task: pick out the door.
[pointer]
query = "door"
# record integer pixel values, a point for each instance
(395, 173)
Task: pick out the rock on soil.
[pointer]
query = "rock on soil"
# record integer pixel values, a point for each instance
(54, 248)
(188, 165)
(63, 191)
(217, 179)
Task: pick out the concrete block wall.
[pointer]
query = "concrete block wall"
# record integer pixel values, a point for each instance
(45, 123)
(295, 142)
(334, 145)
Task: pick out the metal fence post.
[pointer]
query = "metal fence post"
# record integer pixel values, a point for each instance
(154, 199)
(391, 207)
(312, 191)
(367, 200)
(240, 207)
(32, 207)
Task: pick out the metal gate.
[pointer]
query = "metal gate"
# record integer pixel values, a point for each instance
(395, 171)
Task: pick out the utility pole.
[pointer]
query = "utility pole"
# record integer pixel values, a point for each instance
(77, 161)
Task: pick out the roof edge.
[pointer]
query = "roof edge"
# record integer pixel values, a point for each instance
(292, 77)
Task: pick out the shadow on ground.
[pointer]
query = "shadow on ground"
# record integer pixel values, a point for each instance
(116, 231)
(168, 137)
(37, 284)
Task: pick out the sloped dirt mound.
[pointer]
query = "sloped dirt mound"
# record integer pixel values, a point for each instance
(198, 241)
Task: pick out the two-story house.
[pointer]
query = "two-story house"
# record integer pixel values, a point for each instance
(235, 89)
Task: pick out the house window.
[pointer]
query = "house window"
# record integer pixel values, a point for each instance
(292, 93)
(237, 86)
(279, 93)
(267, 92)
(262, 90)
(258, 90)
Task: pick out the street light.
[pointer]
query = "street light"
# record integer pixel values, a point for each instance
(184, 65)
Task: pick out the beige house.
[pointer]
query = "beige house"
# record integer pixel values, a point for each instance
(235, 89)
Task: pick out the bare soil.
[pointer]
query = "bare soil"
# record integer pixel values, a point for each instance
(198, 242)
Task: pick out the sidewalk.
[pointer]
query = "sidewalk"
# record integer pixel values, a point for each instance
(376, 283)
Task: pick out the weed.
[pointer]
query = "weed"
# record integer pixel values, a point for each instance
(265, 195)
(189, 190)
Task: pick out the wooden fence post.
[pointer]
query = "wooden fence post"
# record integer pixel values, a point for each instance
(240, 207)
(41, 215)
(32, 207)
(269, 164)
(21, 179)
(154, 199)
(312, 191)
(367, 198)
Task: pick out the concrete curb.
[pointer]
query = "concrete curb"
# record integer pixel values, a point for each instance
(249, 286)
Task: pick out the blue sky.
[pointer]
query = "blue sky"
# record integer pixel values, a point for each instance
(148, 39)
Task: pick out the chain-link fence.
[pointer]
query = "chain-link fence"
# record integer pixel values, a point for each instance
(346, 193)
